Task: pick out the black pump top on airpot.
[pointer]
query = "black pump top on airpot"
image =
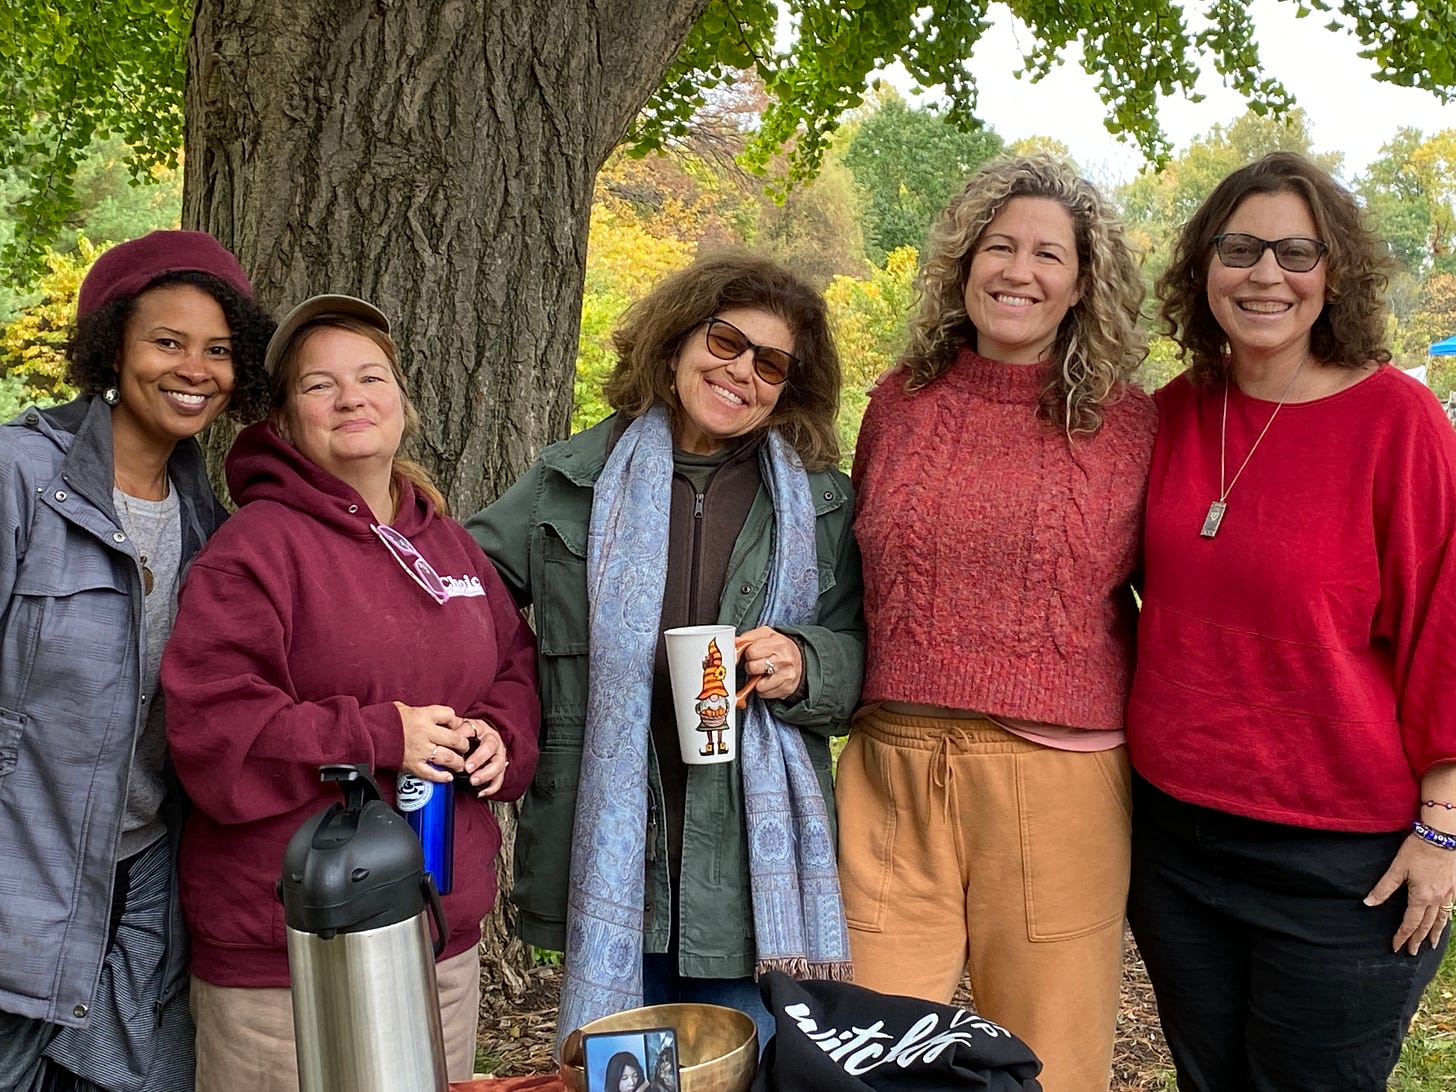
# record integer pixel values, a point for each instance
(355, 866)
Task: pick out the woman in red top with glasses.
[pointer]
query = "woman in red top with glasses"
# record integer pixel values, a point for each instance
(339, 616)
(1291, 718)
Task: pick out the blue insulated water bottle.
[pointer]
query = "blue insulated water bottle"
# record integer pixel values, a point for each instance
(429, 807)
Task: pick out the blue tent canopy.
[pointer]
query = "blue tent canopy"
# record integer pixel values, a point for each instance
(1445, 348)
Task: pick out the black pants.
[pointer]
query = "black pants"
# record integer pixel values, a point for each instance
(1270, 972)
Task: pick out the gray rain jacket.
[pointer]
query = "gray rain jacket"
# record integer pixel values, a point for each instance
(71, 639)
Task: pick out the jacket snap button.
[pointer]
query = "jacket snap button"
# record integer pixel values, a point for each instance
(80, 1011)
(353, 508)
(746, 589)
(32, 418)
(828, 495)
(117, 536)
(61, 494)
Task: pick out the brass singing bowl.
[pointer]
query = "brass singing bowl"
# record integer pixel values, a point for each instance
(717, 1047)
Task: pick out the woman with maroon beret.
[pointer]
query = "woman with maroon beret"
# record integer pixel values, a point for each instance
(103, 501)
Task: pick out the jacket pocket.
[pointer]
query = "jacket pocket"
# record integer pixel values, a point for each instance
(12, 725)
(561, 612)
(69, 646)
(543, 837)
(827, 577)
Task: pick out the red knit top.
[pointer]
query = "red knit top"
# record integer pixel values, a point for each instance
(996, 552)
(1299, 666)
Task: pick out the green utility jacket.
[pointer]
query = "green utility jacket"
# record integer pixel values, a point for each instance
(536, 535)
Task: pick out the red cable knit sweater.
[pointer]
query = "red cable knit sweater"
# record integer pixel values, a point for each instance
(996, 554)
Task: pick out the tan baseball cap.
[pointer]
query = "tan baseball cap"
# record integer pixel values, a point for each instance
(311, 309)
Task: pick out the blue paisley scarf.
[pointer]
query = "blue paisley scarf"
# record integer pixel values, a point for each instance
(798, 916)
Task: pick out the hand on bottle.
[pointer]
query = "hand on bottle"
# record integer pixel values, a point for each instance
(434, 744)
(487, 763)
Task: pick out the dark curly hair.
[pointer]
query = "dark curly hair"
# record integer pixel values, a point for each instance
(96, 342)
(1349, 332)
(654, 329)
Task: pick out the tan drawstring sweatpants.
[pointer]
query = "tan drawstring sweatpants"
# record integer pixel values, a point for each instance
(245, 1035)
(965, 847)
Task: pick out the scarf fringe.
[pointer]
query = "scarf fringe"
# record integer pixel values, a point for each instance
(838, 971)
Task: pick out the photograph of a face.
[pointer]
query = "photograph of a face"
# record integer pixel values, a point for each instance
(631, 1061)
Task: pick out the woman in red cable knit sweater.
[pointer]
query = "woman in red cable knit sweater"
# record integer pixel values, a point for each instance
(983, 795)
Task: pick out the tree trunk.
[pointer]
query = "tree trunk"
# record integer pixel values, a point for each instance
(437, 158)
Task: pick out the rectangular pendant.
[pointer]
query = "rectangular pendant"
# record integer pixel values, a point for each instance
(1213, 519)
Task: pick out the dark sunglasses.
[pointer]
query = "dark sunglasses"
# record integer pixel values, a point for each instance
(727, 342)
(1294, 253)
(420, 570)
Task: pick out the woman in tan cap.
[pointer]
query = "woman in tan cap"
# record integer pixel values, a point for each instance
(340, 616)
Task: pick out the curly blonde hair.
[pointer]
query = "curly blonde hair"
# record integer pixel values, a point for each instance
(1349, 331)
(1099, 343)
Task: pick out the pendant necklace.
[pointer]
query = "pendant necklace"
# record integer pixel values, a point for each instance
(1217, 509)
(148, 580)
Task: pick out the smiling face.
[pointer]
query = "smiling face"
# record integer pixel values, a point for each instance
(344, 409)
(1023, 280)
(723, 399)
(175, 367)
(1265, 310)
(629, 1079)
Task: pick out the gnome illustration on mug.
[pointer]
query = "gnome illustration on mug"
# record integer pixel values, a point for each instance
(712, 703)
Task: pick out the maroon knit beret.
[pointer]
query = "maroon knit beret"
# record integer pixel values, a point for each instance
(129, 267)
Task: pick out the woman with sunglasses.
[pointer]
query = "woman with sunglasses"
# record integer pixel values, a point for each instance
(103, 503)
(1292, 722)
(339, 617)
(983, 793)
(710, 496)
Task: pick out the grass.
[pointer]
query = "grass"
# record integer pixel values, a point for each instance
(1428, 1062)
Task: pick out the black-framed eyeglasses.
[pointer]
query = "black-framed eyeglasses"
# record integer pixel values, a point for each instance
(410, 560)
(728, 342)
(1294, 253)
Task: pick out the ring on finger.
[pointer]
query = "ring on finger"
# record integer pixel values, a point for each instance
(433, 749)
(768, 665)
(1448, 908)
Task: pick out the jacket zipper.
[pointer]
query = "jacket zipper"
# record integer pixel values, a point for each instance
(697, 554)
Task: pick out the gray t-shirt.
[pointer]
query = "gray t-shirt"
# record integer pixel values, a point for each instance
(155, 528)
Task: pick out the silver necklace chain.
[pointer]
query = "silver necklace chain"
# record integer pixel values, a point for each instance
(144, 551)
(1217, 509)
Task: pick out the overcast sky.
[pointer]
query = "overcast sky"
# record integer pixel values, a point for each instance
(1349, 112)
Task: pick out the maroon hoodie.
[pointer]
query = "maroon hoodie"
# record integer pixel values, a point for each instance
(297, 630)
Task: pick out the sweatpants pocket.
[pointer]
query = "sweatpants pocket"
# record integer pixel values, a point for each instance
(865, 799)
(1075, 840)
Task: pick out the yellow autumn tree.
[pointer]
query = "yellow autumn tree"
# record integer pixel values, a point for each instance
(869, 316)
(33, 344)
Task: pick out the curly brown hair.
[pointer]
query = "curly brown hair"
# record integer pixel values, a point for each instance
(1350, 330)
(654, 329)
(1099, 343)
(95, 342)
(285, 381)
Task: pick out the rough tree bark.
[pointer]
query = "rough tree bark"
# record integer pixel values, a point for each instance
(437, 157)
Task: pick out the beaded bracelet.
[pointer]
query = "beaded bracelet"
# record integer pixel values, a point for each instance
(1438, 804)
(1434, 836)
